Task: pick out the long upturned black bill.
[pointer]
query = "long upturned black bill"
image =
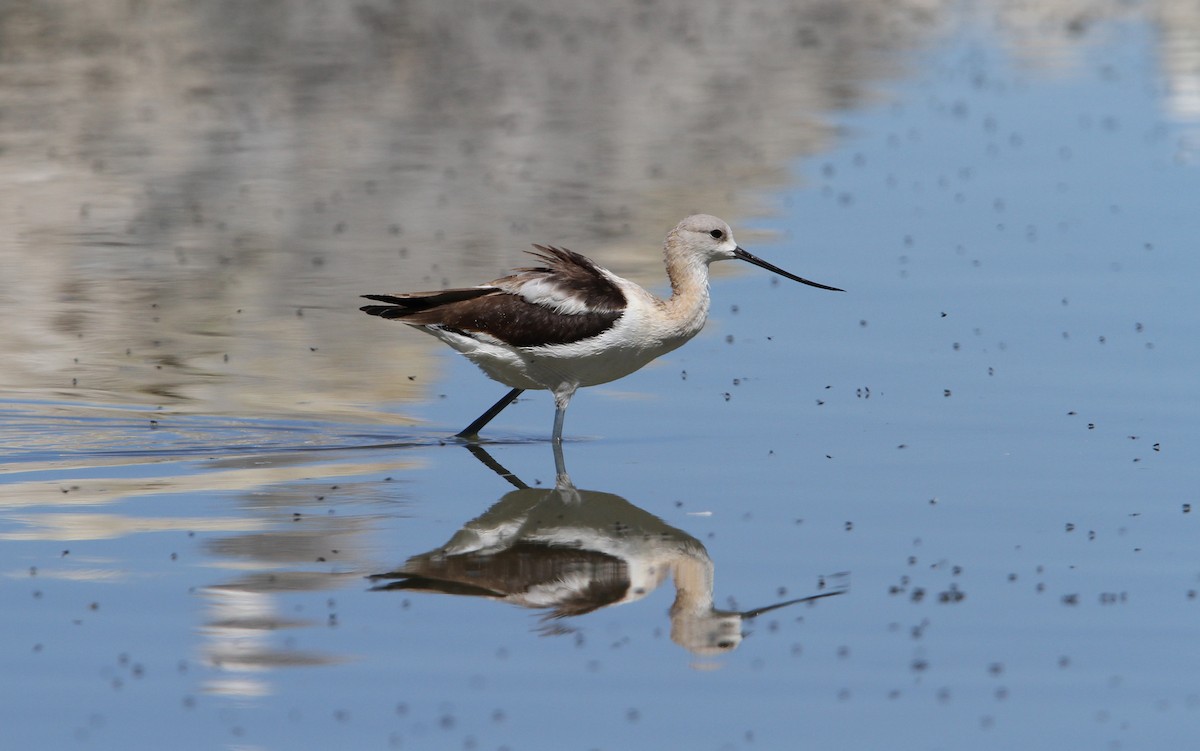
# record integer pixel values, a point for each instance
(750, 257)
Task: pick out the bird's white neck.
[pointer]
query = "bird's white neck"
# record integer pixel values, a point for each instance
(688, 304)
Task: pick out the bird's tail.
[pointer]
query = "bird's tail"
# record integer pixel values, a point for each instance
(403, 306)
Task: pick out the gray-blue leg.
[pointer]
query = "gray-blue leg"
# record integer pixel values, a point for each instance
(562, 398)
(560, 412)
(560, 465)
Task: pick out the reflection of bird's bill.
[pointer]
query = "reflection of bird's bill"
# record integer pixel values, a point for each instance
(767, 608)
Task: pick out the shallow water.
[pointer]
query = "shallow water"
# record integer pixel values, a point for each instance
(984, 451)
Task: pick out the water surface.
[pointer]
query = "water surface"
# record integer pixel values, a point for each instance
(986, 445)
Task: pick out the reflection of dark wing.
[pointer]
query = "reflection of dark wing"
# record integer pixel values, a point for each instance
(414, 583)
(568, 299)
(595, 579)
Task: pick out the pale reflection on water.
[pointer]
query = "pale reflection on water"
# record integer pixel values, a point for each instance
(240, 641)
(196, 193)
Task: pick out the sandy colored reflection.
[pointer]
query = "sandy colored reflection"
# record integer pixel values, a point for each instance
(195, 193)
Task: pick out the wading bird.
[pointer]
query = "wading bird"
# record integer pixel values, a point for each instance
(570, 323)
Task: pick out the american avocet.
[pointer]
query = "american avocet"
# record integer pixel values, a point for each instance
(571, 323)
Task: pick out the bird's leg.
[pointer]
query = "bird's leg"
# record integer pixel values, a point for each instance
(480, 453)
(472, 430)
(560, 412)
(562, 480)
(562, 397)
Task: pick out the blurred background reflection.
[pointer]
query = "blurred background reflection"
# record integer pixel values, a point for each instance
(195, 193)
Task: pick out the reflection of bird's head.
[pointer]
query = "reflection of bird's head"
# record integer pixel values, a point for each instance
(706, 633)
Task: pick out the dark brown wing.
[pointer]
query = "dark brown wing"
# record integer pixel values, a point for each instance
(569, 299)
(567, 280)
(508, 318)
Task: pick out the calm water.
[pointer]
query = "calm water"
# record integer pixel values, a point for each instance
(983, 453)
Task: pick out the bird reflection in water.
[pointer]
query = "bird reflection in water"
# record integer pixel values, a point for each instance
(568, 552)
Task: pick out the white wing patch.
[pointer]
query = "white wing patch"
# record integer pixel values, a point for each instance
(546, 293)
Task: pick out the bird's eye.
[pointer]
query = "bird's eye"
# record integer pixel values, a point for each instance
(718, 234)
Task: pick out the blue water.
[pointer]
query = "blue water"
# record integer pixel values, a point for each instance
(990, 436)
